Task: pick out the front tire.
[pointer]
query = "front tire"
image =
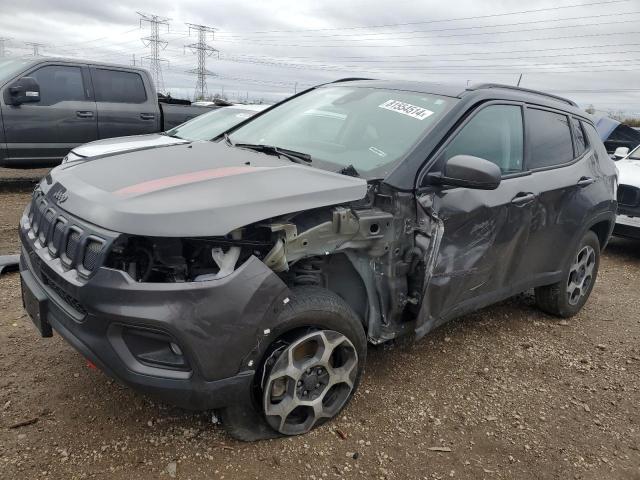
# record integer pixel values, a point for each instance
(309, 374)
(567, 297)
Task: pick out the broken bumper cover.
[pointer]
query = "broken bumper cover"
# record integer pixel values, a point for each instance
(131, 330)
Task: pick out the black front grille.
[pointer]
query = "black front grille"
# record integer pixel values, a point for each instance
(629, 196)
(73, 242)
(57, 236)
(77, 244)
(45, 225)
(92, 254)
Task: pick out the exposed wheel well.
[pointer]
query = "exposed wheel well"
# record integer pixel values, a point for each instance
(602, 229)
(343, 279)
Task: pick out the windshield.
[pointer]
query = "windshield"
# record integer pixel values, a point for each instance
(8, 68)
(211, 124)
(368, 128)
(635, 154)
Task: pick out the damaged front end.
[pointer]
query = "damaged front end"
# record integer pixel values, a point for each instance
(369, 252)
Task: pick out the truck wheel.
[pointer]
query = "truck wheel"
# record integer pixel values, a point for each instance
(568, 296)
(309, 374)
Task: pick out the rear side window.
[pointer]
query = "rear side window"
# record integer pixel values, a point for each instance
(549, 138)
(59, 83)
(118, 87)
(495, 134)
(579, 136)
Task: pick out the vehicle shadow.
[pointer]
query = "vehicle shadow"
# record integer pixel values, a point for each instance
(624, 249)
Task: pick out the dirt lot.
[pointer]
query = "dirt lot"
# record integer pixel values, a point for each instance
(507, 392)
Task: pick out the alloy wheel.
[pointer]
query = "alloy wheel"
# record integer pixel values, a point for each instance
(310, 381)
(581, 275)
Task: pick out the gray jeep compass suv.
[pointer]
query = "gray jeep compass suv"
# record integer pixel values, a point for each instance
(248, 274)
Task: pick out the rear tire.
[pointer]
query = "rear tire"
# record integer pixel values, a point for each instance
(317, 317)
(567, 297)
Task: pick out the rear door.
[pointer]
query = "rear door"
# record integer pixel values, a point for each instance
(65, 117)
(564, 171)
(484, 232)
(124, 105)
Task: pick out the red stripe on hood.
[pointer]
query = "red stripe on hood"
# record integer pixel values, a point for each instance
(183, 179)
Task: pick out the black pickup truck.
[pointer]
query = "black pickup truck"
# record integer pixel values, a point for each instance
(50, 105)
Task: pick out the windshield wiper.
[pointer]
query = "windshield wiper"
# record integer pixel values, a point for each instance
(228, 140)
(292, 155)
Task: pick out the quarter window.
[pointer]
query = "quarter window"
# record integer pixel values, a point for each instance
(117, 86)
(549, 138)
(579, 136)
(495, 134)
(59, 83)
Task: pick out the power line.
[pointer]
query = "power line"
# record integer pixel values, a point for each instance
(428, 37)
(154, 42)
(203, 50)
(438, 30)
(425, 22)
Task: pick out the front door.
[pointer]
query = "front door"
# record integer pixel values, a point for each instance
(65, 117)
(483, 233)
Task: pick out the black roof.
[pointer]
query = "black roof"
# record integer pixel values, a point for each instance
(484, 90)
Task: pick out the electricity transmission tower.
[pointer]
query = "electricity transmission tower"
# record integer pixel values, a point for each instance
(35, 46)
(203, 50)
(3, 43)
(155, 44)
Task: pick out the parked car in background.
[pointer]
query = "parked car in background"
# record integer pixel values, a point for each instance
(50, 105)
(203, 127)
(248, 274)
(615, 135)
(628, 219)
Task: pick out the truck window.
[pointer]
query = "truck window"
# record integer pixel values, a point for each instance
(118, 86)
(59, 83)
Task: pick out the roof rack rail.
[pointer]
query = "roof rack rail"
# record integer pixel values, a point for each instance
(528, 90)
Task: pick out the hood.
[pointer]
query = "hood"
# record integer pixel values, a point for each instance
(122, 144)
(198, 189)
(629, 172)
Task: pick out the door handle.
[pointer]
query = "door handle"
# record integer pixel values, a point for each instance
(147, 116)
(585, 181)
(84, 113)
(523, 198)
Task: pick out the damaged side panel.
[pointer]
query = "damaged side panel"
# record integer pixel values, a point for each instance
(477, 242)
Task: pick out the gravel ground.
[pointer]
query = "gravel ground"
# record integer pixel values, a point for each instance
(507, 392)
(31, 173)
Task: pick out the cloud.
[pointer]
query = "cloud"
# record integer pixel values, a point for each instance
(270, 48)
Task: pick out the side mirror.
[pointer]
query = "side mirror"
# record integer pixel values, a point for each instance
(470, 172)
(620, 153)
(25, 90)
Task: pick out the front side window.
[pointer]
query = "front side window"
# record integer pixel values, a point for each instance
(635, 154)
(549, 138)
(117, 86)
(495, 134)
(368, 128)
(210, 125)
(59, 83)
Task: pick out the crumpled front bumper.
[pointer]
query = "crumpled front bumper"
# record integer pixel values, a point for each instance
(218, 325)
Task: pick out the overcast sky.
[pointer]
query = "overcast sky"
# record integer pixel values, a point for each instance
(588, 50)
